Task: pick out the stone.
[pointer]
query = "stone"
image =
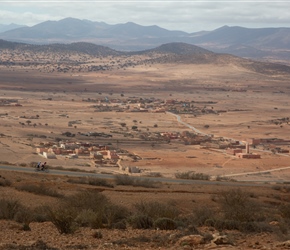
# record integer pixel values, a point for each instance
(284, 244)
(222, 240)
(191, 240)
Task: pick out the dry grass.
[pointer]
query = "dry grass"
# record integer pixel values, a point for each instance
(39, 189)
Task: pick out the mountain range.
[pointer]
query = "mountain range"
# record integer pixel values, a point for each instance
(260, 43)
(11, 26)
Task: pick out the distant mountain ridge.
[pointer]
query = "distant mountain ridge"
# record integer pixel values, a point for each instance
(258, 43)
(71, 30)
(11, 26)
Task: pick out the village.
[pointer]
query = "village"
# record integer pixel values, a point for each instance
(104, 149)
(109, 153)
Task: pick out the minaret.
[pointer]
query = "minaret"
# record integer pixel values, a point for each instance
(247, 148)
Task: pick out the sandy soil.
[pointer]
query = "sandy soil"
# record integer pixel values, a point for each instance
(57, 99)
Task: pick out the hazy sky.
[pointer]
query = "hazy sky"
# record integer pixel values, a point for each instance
(189, 16)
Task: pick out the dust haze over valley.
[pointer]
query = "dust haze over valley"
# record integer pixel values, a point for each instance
(171, 110)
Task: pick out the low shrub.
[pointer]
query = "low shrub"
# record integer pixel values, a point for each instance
(23, 164)
(59, 168)
(81, 180)
(6, 163)
(165, 224)
(24, 215)
(41, 213)
(236, 205)
(285, 211)
(38, 245)
(255, 227)
(26, 227)
(4, 182)
(242, 226)
(98, 235)
(9, 208)
(276, 187)
(202, 214)
(87, 218)
(154, 174)
(93, 200)
(157, 210)
(64, 219)
(109, 217)
(99, 182)
(224, 178)
(183, 175)
(210, 222)
(91, 181)
(208, 237)
(141, 221)
(141, 239)
(126, 180)
(192, 176)
(32, 164)
(147, 183)
(39, 189)
(66, 169)
(114, 214)
(221, 224)
(94, 209)
(122, 225)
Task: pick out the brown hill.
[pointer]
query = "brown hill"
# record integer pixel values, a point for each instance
(80, 47)
(191, 54)
(180, 53)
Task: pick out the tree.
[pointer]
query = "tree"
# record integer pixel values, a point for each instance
(28, 122)
(236, 205)
(123, 124)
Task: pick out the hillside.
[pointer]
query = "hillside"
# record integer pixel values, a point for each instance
(80, 47)
(171, 53)
(59, 213)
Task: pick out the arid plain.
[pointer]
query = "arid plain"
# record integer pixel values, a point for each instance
(252, 105)
(59, 98)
